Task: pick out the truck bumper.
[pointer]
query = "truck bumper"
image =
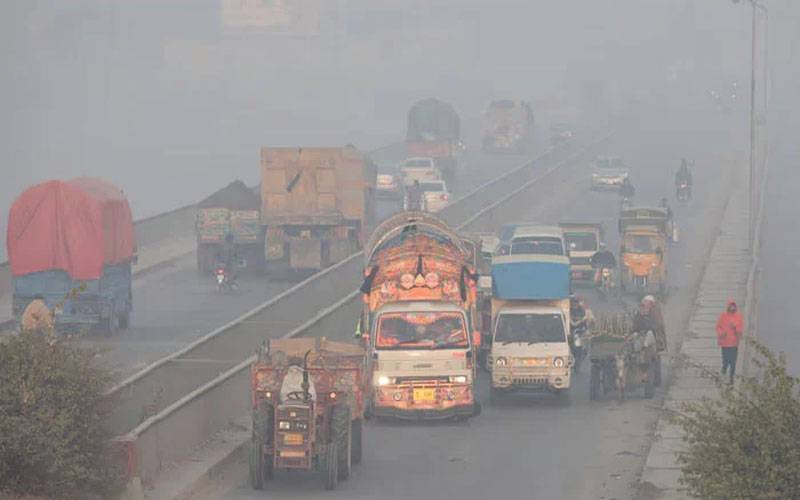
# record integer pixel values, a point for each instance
(532, 382)
(451, 400)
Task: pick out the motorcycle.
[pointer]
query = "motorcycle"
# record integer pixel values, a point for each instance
(225, 282)
(579, 344)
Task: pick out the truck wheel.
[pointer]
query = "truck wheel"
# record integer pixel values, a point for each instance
(342, 433)
(596, 383)
(328, 466)
(256, 465)
(124, 320)
(358, 432)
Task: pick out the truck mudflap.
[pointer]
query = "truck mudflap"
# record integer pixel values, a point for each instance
(433, 402)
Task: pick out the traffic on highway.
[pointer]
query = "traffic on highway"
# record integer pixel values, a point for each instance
(527, 281)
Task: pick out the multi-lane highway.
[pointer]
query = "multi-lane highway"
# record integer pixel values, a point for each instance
(538, 447)
(175, 306)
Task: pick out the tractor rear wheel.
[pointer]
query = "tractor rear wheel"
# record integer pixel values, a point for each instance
(343, 436)
(329, 466)
(358, 431)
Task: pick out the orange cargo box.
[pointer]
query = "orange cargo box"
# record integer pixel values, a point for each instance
(316, 185)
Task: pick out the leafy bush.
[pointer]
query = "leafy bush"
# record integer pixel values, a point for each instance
(746, 444)
(53, 438)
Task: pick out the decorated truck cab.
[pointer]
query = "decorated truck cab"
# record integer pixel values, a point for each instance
(419, 310)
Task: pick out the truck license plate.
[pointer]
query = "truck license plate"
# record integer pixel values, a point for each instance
(425, 395)
(533, 361)
(293, 439)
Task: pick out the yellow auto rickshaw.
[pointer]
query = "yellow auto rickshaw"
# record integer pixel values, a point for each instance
(643, 256)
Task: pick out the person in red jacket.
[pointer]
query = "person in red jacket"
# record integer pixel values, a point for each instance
(730, 327)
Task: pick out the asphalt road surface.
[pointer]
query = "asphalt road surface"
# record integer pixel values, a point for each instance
(539, 447)
(175, 306)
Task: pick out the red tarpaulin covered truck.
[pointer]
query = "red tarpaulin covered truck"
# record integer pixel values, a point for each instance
(66, 234)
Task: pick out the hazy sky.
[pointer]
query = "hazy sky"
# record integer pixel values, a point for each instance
(164, 99)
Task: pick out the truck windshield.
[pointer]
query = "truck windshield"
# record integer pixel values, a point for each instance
(530, 328)
(431, 186)
(422, 162)
(640, 243)
(581, 242)
(537, 245)
(421, 330)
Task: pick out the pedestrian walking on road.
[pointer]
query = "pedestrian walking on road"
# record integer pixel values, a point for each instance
(730, 327)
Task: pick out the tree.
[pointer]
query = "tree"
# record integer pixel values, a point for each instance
(746, 444)
(53, 436)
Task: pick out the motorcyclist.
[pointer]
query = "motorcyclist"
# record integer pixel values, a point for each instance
(665, 205)
(627, 190)
(415, 196)
(581, 316)
(683, 177)
(602, 259)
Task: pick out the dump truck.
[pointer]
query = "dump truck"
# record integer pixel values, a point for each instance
(508, 127)
(418, 320)
(308, 408)
(70, 236)
(643, 253)
(232, 211)
(434, 131)
(317, 205)
(531, 324)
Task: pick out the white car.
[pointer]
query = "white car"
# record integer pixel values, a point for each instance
(436, 195)
(609, 173)
(419, 169)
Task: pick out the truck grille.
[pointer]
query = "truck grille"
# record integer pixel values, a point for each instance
(530, 381)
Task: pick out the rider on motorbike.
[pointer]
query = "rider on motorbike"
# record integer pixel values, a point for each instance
(581, 316)
(602, 259)
(415, 196)
(627, 190)
(683, 177)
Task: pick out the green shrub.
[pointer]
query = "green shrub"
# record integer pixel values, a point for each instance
(53, 436)
(746, 444)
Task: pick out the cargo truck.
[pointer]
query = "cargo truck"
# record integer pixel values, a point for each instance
(434, 131)
(234, 211)
(508, 127)
(316, 205)
(69, 236)
(530, 324)
(418, 320)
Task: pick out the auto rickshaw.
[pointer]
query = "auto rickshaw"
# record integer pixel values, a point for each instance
(643, 255)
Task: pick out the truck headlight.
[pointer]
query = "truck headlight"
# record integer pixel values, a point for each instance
(501, 361)
(284, 425)
(384, 380)
(458, 379)
(558, 362)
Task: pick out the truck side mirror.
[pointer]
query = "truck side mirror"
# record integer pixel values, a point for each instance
(476, 338)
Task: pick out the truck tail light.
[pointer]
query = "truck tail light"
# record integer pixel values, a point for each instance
(444, 197)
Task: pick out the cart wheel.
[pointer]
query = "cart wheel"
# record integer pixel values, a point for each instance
(342, 433)
(329, 466)
(657, 376)
(596, 383)
(355, 450)
(649, 383)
